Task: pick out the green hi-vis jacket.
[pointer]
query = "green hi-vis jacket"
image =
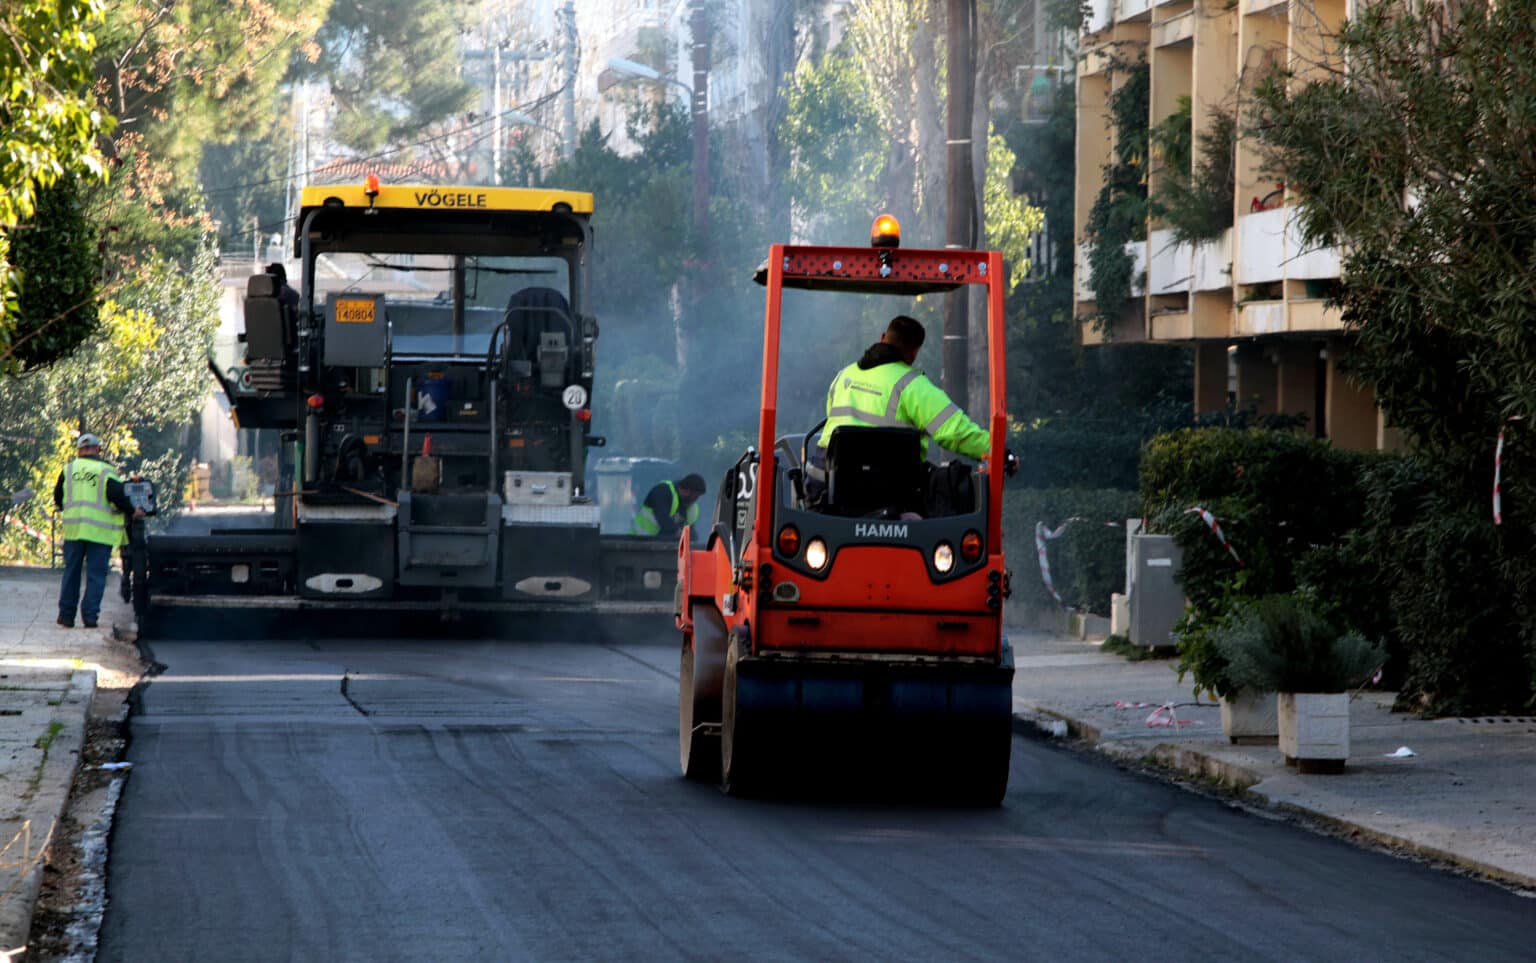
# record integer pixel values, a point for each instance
(88, 516)
(894, 395)
(647, 522)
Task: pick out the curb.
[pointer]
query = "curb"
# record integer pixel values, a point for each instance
(1399, 844)
(1040, 722)
(47, 808)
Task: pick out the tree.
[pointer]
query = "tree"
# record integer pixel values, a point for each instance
(57, 266)
(394, 68)
(181, 75)
(837, 151)
(145, 371)
(1415, 159)
(49, 122)
(245, 185)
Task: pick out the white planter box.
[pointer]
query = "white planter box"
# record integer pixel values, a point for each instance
(1314, 730)
(1251, 718)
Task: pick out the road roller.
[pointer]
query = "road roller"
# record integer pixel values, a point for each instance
(853, 625)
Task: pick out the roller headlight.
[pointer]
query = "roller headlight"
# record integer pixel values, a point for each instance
(816, 554)
(944, 558)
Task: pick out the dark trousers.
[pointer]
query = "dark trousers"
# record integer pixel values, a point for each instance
(93, 558)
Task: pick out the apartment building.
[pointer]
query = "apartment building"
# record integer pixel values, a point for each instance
(1253, 300)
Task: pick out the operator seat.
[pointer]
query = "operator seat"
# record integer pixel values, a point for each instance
(268, 326)
(875, 471)
(531, 312)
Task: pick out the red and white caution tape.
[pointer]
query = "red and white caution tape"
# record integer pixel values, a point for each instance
(1498, 468)
(11, 520)
(1166, 716)
(1210, 520)
(1043, 535)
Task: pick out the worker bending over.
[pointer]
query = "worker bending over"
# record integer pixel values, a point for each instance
(668, 506)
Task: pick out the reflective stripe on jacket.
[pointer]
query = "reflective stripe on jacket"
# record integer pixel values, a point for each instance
(646, 522)
(896, 396)
(88, 517)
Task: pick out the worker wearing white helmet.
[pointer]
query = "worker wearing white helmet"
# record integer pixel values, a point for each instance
(89, 495)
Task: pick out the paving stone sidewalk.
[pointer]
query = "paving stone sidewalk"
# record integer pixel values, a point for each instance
(49, 679)
(1467, 795)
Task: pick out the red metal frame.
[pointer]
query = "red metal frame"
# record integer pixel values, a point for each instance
(849, 266)
(969, 628)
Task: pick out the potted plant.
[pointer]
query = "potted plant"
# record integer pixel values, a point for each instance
(1285, 643)
(1248, 715)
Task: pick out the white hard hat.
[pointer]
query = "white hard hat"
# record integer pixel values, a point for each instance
(87, 441)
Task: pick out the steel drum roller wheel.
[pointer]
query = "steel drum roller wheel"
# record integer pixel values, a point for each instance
(982, 779)
(698, 703)
(741, 751)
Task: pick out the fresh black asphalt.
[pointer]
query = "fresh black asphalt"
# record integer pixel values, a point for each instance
(437, 798)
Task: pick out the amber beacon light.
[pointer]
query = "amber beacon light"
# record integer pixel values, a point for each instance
(885, 232)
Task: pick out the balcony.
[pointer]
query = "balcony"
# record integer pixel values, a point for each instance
(1175, 268)
(1213, 263)
(1171, 266)
(1265, 6)
(1174, 30)
(1100, 15)
(1260, 247)
(1128, 10)
(1314, 314)
(1081, 272)
(1259, 317)
(1308, 263)
(1172, 326)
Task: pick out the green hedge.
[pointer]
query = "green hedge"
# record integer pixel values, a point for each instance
(1276, 495)
(1279, 497)
(1087, 561)
(1400, 550)
(1454, 591)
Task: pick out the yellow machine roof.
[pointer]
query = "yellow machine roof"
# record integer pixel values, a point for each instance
(439, 197)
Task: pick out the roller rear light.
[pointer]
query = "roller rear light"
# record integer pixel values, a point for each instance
(789, 541)
(970, 546)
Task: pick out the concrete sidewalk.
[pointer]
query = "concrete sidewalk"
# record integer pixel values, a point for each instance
(49, 679)
(1467, 796)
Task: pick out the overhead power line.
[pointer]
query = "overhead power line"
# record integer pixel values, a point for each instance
(303, 176)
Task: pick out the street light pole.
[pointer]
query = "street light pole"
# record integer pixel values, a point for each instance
(960, 220)
(699, 106)
(496, 135)
(570, 54)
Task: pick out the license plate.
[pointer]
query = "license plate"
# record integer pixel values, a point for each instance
(353, 311)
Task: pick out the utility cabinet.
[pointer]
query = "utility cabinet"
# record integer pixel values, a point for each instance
(1157, 599)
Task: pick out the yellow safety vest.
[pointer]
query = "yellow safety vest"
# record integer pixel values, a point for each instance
(894, 395)
(646, 522)
(88, 516)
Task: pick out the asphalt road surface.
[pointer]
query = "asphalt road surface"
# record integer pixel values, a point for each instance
(462, 799)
